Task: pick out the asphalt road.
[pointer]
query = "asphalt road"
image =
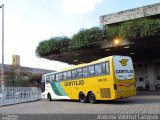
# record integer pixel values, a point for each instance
(46, 110)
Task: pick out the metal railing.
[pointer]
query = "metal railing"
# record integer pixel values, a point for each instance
(13, 95)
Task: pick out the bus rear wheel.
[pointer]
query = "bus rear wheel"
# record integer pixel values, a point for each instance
(82, 97)
(91, 98)
(49, 97)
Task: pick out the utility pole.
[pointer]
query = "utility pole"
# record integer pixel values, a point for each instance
(2, 65)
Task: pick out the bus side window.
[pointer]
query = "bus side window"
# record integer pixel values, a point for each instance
(57, 77)
(103, 68)
(61, 76)
(107, 67)
(85, 72)
(98, 69)
(91, 70)
(65, 75)
(74, 73)
(79, 72)
(69, 74)
(52, 78)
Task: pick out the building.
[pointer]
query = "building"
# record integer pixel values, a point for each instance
(25, 70)
(145, 53)
(16, 68)
(143, 48)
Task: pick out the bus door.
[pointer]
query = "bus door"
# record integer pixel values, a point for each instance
(43, 84)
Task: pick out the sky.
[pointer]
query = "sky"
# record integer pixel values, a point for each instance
(27, 22)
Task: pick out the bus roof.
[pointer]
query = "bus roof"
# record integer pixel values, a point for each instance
(86, 64)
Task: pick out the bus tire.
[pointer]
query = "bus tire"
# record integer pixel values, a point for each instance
(82, 97)
(91, 97)
(49, 96)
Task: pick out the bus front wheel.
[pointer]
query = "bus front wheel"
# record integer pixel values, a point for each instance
(49, 97)
(91, 97)
(82, 97)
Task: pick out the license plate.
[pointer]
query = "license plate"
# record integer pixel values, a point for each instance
(126, 85)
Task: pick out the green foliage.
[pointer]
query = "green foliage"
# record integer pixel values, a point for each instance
(135, 29)
(54, 45)
(87, 38)
(35, 78)
(18, 82)
(95, 36)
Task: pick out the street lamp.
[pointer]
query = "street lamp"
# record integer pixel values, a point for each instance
(116, 41)
(2, 65)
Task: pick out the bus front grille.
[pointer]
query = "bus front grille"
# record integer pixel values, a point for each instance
(105, 93)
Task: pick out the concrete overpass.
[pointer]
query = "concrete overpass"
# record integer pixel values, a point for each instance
(145, 52)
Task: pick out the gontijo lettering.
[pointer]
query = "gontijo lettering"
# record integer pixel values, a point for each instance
(124, 71)
(73, 83)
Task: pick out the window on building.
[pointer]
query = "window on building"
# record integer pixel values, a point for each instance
(157, 63)
(141, 79)
(158, 77)
(139, 65)
(145, 65)
(134, 65)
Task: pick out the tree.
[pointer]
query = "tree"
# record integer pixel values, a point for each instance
(16, 77)
(35, 79)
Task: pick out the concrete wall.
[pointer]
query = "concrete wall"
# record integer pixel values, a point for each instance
(147, 70)
(130, 14)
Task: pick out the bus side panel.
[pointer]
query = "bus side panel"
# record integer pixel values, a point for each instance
(99, 85)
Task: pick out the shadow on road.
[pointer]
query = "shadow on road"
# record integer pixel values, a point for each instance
(131, 100)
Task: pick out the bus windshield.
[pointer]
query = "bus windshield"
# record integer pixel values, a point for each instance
(43, 84)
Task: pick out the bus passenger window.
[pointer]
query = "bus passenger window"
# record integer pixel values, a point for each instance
(98, 69)
(107, 67)
(57, 77)
(103, 68)
(65, 75)
(85, 72)
(79, 72)
(74, 74)
(52, 78)
(69, 74)
(91, 70)
(61, 76)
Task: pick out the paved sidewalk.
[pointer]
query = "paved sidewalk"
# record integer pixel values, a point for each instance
(138, 107)
(148, 92)
(145, 104)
